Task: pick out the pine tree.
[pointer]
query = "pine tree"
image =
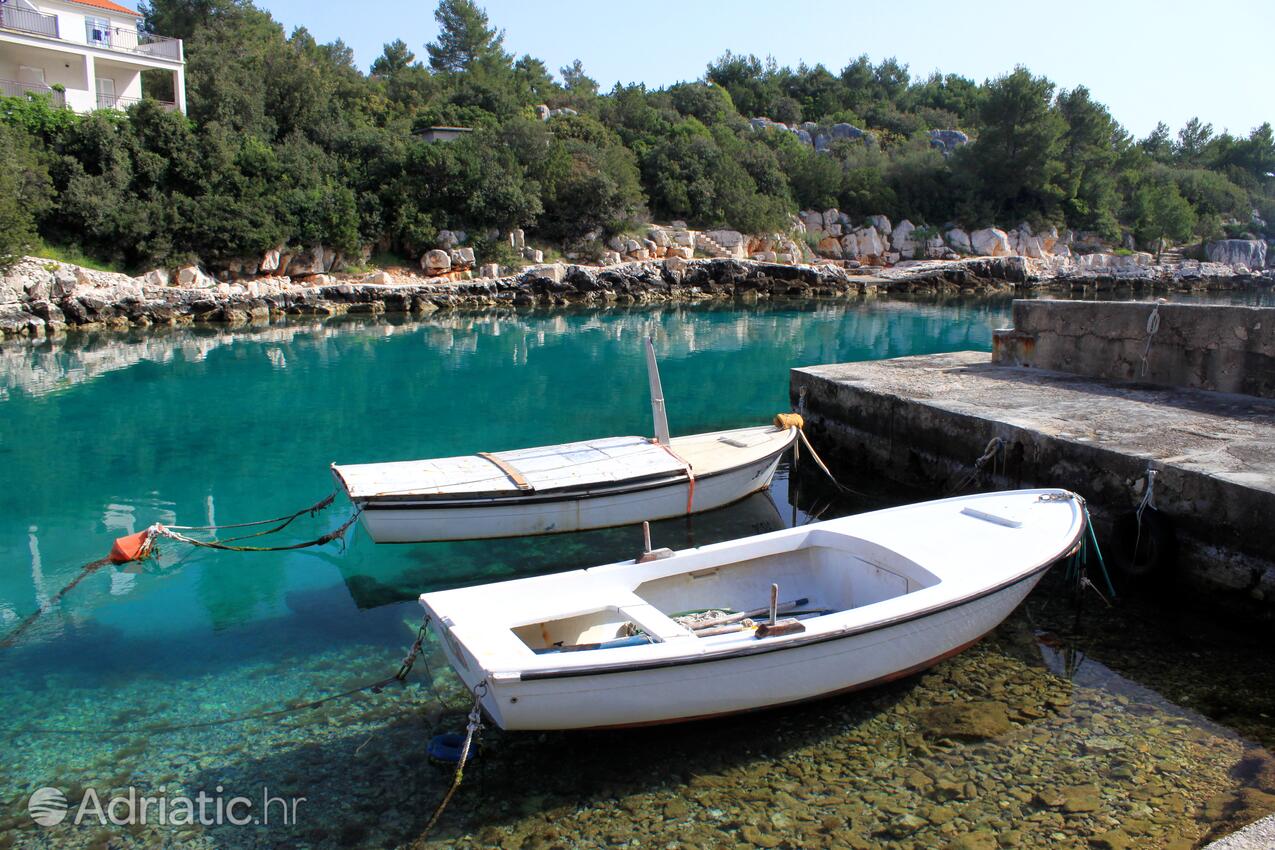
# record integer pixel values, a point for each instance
(464, 39)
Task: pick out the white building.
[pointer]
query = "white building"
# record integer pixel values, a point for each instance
(88, 53)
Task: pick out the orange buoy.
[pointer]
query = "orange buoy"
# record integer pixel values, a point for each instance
(134, 547)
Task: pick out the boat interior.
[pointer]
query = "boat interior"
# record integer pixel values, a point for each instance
(822, 577)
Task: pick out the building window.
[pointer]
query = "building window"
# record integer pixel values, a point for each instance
(98, 31)
(106, 93)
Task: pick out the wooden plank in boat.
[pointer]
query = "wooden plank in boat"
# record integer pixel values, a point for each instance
(565, 466)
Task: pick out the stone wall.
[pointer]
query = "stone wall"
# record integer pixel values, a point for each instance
(1212, 347)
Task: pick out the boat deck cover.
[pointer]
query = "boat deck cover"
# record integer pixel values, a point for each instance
(545, 468)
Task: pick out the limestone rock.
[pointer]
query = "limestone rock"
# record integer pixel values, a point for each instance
(1235, 252)
(869, 242)
(990, 242)
(314, 260)
(270, 260)
(156, 277)
(533, 255)
(193, 277)
(462, 257)
(829, 247)
(436, 262)
(960, 240)
(679, 251)
(447, 239)
(946, 141)
(381, 278)
(881, 223)
(901, 239)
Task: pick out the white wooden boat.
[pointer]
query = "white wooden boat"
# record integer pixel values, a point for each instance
(570, 487)
(871, 598)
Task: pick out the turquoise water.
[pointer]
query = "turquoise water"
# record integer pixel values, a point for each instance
(102, 437)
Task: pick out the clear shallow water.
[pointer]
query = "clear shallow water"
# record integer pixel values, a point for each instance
(101, 438)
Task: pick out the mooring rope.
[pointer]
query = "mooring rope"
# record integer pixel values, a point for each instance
(989, 455)
(823, 467)
(158, 530)
(146, 548)
(474, 726)
(313, 510)
(1077, 565)
(85, 571)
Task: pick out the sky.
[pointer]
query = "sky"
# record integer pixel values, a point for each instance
(1147, 61)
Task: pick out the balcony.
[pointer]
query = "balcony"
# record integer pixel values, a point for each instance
(27, 20)
(13, 88)
(107, 38)
(132, 41)
(110, 101)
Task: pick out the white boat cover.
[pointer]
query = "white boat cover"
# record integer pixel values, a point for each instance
(546, 468)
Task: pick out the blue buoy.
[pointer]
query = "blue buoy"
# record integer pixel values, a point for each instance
(446, 748)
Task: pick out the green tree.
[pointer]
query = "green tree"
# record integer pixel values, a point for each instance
(465, 39)
(1087, 156)
(577, 82)
(1162, 213)
(1014, 163)
(394, 59)
(25, 193)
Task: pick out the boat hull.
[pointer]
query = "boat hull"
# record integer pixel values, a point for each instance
(714, 687)
(396, 522)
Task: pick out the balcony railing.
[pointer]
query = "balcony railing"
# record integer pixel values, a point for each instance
(28, 20)
(108, 37)
(120, 38)
(13, 88)
(111, 101)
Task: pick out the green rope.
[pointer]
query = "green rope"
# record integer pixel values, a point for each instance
(1077, 564)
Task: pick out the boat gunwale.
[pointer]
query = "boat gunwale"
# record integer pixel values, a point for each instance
(797, 641)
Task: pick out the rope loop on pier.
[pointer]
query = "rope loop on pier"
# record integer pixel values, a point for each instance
(472, 729)
(989, 455)
(1153, 327)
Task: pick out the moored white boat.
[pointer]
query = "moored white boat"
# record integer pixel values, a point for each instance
(876, 596)
(569, 487)
(590, 484)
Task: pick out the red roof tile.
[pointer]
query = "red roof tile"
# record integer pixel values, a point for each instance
(108, 6)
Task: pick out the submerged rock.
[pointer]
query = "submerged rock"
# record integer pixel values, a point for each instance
(967, 720)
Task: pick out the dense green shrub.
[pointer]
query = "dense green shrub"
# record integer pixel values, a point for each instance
(288, 142)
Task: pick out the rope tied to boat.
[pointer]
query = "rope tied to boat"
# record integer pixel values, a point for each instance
(1078, 563)
(409, 660)
(472, 728)
(338, 533)
(798, 422)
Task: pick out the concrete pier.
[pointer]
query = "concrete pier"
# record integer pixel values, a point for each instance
(923, 421)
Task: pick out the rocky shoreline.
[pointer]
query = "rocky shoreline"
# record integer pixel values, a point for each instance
(41, 298)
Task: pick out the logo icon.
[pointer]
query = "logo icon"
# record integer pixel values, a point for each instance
(47, 806)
